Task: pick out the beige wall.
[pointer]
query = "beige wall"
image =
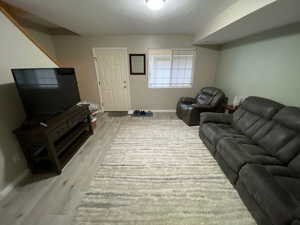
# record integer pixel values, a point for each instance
(77, 52)
(16, 52)
(265, 64)
(44, 40)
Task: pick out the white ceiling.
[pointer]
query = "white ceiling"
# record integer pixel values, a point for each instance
(274, 15)
(193, 17)
(98, 17)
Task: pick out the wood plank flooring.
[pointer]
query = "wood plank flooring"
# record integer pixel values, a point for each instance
(53, 200)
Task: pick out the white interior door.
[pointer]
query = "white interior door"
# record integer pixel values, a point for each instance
(112, 72)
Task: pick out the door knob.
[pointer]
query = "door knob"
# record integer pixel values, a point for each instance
(125, 86)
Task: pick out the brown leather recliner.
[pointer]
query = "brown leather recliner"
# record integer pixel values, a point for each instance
(209, 99)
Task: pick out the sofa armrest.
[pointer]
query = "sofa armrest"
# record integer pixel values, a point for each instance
(295, 222)
(296, 214)
(209, 117)
(187, 100)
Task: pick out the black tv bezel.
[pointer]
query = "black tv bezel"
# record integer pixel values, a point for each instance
(44, 116)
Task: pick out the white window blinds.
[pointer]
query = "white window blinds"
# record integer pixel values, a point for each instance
(170, 68)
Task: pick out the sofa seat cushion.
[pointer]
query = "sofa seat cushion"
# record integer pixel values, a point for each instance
(277, 195)
(287, 178)
(239, 151)
(216, 131)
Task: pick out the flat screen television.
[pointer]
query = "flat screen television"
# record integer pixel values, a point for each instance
(46, 92)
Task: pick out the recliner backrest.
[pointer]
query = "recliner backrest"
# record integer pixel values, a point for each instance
(210, 96)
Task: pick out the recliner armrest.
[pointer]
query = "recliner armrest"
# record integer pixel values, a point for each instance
(187, 100)
(209, 117)
(203, 106)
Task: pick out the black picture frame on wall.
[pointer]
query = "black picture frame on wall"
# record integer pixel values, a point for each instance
(137, 64)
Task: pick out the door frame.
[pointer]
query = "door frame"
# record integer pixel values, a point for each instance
(95, 59)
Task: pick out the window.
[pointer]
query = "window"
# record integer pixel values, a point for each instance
(170, 68)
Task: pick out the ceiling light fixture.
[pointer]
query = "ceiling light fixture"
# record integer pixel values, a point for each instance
(155, 4)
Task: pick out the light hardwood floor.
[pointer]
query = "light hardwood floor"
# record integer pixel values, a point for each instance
(53, 200)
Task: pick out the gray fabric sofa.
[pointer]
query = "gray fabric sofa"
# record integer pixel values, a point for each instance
(258, 148)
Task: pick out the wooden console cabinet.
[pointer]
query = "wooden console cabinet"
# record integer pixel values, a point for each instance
(48, 146)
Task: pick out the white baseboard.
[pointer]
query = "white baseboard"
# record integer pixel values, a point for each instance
(155, 110)
(13, 184)
(164, 110)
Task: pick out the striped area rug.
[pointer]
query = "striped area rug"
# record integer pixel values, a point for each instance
(158, 172)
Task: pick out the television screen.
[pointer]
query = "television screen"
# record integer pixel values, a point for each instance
(46, 92)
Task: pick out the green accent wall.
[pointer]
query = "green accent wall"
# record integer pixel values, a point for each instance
(266, 65)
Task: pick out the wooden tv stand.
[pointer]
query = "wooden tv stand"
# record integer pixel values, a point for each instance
(48, 146)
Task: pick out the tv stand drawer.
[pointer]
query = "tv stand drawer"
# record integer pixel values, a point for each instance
(68, 122)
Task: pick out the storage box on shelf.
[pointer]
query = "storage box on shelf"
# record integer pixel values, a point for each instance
(93, 117)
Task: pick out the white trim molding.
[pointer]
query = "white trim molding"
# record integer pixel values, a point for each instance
(154, 110)
(95, 59)
(13, 184)
(163, 110)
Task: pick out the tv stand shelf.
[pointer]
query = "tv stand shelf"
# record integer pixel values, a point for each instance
(49, 148)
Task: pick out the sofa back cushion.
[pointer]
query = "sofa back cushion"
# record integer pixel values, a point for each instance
(254, 113)
(280, 137)
(289, 117)
(272, 126)
(295, 164)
